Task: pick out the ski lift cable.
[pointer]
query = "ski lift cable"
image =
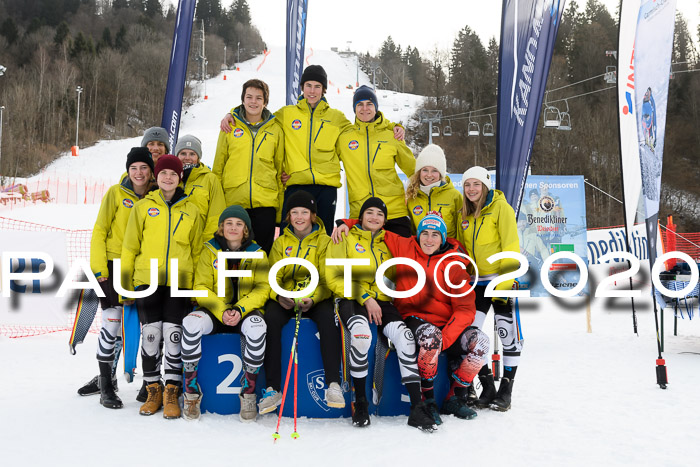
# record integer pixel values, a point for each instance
(585, 180)
(557, 89)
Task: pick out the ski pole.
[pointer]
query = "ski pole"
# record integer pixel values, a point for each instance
(295, 434)
(276, 435)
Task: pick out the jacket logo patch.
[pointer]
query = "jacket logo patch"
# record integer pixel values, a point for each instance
(216, 264)
(288, 250)
(127, 203)
(153, 212)
(353, 145)
(238, 132)
(465, 224)
(296, 124)
(359, 248)
(418, 210)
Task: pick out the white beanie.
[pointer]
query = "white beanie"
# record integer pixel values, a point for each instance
(432, 156)
(478, 173)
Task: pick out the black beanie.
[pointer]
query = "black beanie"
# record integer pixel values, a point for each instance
(315, 73)
(139, 155)
(364, 93)
(373, 202)
(301, 199)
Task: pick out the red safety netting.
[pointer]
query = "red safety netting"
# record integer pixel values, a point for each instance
(78, 246)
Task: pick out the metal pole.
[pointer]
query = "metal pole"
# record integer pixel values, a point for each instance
(1, 109)
(77, 116)
(430, 132)
(224, 57)
(238, 47)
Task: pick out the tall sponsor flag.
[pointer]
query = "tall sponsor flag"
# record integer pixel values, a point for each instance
(296, 38)
(652, 64)
(627, 110)
(631, 172)
(528, 31)
(177, 73)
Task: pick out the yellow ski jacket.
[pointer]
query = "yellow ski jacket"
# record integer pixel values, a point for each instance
(445, 199)
(494, 231)
(162, 231)
(369, 154)
(312, 248)
(248, 165)
(204, 189)
(252, 292)
(359, 244)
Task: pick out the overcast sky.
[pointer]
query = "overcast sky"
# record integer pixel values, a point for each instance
(418, 23)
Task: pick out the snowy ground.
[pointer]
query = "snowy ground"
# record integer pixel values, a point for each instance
(579, 397)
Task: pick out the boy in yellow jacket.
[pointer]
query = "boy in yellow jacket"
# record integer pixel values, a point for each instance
(240, 310)
(311, 129)
(369, 154)
(248, 161)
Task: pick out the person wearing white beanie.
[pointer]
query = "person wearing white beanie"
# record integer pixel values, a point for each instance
(489, 227)
(431, 190)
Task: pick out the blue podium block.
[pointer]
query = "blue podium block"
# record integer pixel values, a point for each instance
(221, 368)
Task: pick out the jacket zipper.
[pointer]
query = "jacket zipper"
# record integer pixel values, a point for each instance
(369, 164)
(311, 131)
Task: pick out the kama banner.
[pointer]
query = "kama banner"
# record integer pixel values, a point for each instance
(552, 219)
(528, 31)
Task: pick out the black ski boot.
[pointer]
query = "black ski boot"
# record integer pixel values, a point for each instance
(108, 398)
(471, 396)
(421, 418)
(360, 415)
(502, 401)
(488, 393)
(142, 396)
(434, 411)
(92, 387)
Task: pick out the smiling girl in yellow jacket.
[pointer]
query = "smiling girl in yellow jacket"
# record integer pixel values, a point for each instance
(164, 225)
(105, 246)
(431, 190)
(489, 227)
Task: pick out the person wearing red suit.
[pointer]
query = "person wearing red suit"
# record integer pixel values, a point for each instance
(440, 315)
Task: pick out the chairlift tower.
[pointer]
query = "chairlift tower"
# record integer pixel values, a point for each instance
(430, 117)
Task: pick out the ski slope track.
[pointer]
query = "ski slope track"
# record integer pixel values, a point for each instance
(579, 397)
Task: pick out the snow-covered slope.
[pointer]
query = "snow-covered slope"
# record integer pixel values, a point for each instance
(579, 398)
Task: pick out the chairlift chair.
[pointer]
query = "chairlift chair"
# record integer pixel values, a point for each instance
(436, 130)
(447, 131)
(552, 117)
(565, 119)
(385, 80)
(488, 128)
(473, 128)
(611, 74)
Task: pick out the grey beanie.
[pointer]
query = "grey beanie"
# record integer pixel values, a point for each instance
(189, 142)
(156, 133)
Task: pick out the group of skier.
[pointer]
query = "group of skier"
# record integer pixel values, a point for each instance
(283, 169)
